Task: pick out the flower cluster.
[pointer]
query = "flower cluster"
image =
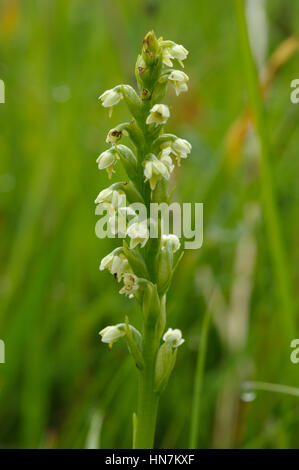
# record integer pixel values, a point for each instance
(143, 263)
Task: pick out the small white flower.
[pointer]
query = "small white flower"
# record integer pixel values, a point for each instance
(138, 233)
(111, 97)
(106, 262)
(110, 334)
(173, 51)
(179, 81)
(113, 333)
(118, 220)
(115, 207)
(155, 169)
(159, 114)
(173, 337)
(117, 264)
(171, 240)
(106, 161)
(114, 135)
(179, 52)
(180, 148)
(167, 56)
(110, 196)
(167, 161)
(130, 285)
(104, 196)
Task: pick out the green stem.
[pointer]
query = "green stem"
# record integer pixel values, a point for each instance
(147, 399)
(145, 422)
(196, 402)
(273, 224)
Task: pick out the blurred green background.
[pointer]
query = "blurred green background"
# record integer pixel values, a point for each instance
(60, 387)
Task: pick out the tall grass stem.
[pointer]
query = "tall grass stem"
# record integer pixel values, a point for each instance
(271, 214)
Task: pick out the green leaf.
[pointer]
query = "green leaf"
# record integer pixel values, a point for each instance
(135, 261)
(134, 342)
(128, 160)
(165, 362)
(164, 269)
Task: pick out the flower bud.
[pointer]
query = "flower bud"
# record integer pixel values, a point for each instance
(164, 364)
(164, 270)
(153, 313)
(150, 48)
(171, 241)
(142, 72)
(134, 342)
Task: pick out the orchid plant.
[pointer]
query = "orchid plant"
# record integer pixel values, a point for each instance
(143, 263)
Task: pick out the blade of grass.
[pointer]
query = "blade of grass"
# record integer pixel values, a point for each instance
(269, 387)
(196, 401)
(271, 214)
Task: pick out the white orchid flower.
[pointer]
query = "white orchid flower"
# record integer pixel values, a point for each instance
(113, 201)
(179, 81)
(110, 334)
(119, 220)
(182, 149)
(155, 169)
(106, 161)
(179, 148)
(138, 233)
(179, 52)
(111, 196)
(173, 337)
(130, 285)
(110, 98)
(171, 50)
(159, 114)
(167, 161)
(113, 333)
(114, 135)
(116, 263)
